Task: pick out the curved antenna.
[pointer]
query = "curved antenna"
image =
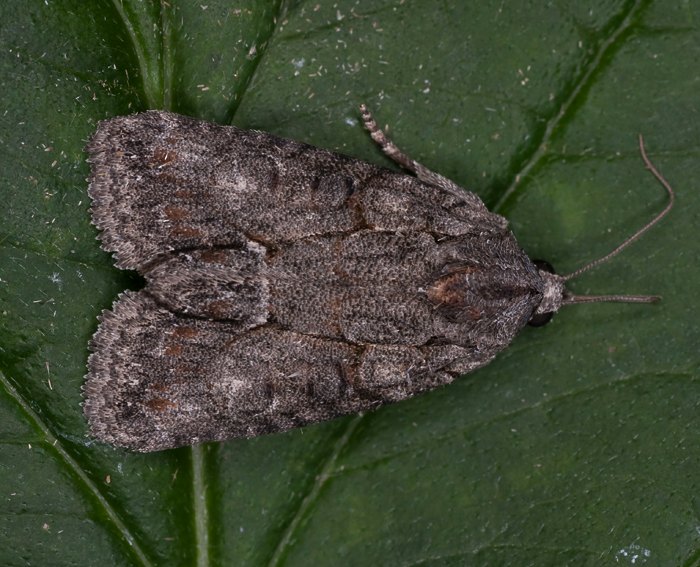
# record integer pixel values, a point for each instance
(626, 298)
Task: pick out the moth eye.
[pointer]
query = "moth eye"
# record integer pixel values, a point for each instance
(540, 319)
(544, 265)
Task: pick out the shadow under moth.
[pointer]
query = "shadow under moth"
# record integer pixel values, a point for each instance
(287, 285)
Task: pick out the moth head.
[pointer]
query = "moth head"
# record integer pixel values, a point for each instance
(555, 294)
(552, 295)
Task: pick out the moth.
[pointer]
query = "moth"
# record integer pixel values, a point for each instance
(287, 284)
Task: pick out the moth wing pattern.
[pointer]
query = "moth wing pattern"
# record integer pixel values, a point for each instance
(286, 284)
(162, 182)
(164, 381)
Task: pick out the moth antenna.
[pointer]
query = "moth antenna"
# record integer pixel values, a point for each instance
(569, 299)
(392, 150)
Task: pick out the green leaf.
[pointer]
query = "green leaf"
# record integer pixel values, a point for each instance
(578, 445)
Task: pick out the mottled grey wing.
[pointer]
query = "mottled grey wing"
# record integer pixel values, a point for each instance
(158, 381)
(162, 182)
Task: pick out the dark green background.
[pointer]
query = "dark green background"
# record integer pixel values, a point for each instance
(578, 446)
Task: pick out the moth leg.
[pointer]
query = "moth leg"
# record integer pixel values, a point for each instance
(392, 150)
